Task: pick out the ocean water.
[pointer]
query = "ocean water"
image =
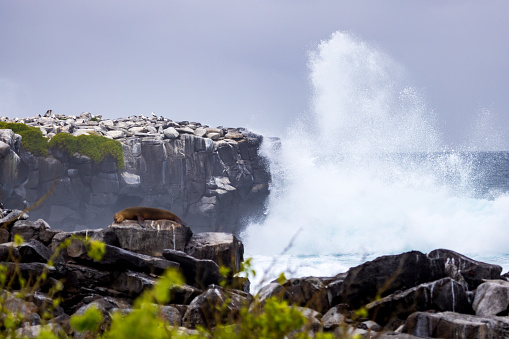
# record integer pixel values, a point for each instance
(366, 174)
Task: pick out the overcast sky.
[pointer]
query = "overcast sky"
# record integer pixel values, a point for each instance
(243, 63)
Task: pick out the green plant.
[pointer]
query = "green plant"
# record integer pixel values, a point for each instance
(269, 319)
(95, 147)
(31, 137)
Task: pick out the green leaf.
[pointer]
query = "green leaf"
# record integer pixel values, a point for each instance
(89, 321)
(18, 239)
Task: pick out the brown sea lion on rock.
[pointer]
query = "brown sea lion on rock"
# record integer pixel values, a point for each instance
(143, 213)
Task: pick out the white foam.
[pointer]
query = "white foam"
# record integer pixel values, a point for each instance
(350, 186)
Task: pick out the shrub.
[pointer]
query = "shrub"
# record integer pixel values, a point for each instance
(31, 137)
(273, 318)
(95, 147)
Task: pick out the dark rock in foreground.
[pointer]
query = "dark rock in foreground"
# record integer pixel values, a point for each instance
(456, 325)
(411, 295)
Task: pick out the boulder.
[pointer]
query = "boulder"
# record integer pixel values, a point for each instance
(79, 278)
(334, 288)
(11, 217)
(32, 273)
(35, 251)
(442, 295)
(197, 272)
(4, 235)
(309, 292)
(183, 294)
(222, 248)
(492, 298)
(335, 317)
(312, 324)
(102, 306)
(170, 133)
(271, 290)
(106, 236)
(14, 304)
(9, 252)
(461, 267)
(29, 229)
(132, 283)
(456, 325)
(383, 276)
(157, 236)
(171, 315)
(119, 259)
(215, 306)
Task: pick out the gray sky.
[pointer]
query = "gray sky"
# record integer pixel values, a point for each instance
(244, 63)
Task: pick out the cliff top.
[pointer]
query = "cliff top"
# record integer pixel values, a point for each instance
(120, 129)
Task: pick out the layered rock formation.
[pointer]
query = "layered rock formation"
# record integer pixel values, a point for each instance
(212, 178)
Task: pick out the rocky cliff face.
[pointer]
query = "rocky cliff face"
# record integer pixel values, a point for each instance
(212, 178)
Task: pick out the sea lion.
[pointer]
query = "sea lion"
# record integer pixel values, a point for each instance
(142, 213)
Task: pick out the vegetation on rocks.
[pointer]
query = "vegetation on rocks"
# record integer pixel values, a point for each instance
(272, 318)
(31, 137)
(95, 147)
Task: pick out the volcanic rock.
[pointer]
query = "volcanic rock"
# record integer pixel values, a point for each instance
(460, 267)
(492, 298)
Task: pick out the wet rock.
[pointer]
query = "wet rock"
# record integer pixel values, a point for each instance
(197, 272)
(456, 325)
(154, 238)
(491, 298)
(223, 248)
(442, 295)
(383, 276)
(460, 267)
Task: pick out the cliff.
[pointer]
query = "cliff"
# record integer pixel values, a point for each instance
(212, 178)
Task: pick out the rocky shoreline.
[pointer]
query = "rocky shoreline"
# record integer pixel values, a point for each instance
(212, 178)
(442, 294)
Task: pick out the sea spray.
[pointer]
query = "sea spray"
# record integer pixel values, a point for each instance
(365, 174)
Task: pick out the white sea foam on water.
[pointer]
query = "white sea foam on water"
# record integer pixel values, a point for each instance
(365, 174)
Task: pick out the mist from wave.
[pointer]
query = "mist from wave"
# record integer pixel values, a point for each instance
(366, 173)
